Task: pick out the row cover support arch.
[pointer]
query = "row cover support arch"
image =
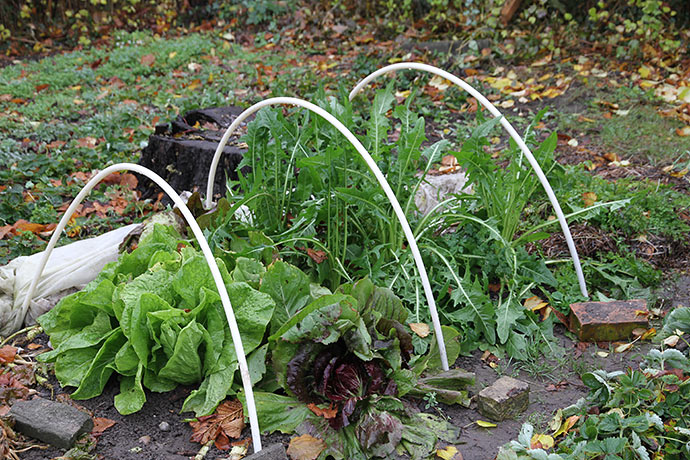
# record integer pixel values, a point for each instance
(379, 177)
(509, 128)
(206, 250)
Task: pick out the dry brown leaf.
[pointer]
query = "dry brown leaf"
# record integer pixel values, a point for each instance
(101, 424)
(589, 198)
(148, 60)
(226, 422)
(7, 354)
(329, 412)
(317, 256)
(305, 447)
(684, 131)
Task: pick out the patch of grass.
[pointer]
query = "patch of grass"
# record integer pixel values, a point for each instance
(637, 129)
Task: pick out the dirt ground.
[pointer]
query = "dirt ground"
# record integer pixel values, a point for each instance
(553, 385)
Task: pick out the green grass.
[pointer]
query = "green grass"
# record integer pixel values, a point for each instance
(637, 132)
(112, 97)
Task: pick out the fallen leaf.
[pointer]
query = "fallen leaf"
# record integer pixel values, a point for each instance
(573, 143)
(566, 425)
(671, 340)
(305, 447)
(41, 87)
(602, 354)
(34, 346)
(87, 142)
(484, 424)
(542, 441)
(623, 348)
(684, 131)
(317, 256)
(648, 334)
(7, 354)
(421, 329)
(147, 60)
(589, 198)
(226, 422)
(101, 424)
(439, 83)
(449, 453)
(328, 413)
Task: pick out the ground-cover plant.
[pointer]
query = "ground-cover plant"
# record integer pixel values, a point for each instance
(632, 414)
(342, 361)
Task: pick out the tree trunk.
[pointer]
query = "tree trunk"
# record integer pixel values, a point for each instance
(181, 152)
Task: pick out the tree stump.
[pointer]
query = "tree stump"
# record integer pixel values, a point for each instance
(181, 152)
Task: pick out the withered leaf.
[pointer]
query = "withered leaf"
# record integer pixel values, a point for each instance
(305, 447)
(226, 422)
(421, 329)
(7, 354)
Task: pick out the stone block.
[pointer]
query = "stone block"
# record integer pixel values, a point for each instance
(607, 321)
(505, 399)
(273, 452)
(48, 421)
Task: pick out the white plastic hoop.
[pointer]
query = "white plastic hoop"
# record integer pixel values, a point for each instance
(508, 127)
(215, 272)
(379, 177)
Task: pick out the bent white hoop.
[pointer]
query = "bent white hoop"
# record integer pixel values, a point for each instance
(215, 272)
(379, 177)
(508, 127)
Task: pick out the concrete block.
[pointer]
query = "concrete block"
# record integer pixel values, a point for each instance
(607, 321)
(505, 399)
(48, 421)
(272, 452)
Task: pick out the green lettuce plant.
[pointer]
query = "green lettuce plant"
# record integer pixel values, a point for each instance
(336, 364)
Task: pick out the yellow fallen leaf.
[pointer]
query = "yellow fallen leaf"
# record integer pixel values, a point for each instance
(449, 453)
(649, 334)
(684, 94)
(534, 303)
(646, 84)
(484, 424)
(602, 354)
(501, 83)
(172, 54)
(421, 329)
(507, 104)
(566, 425)
(644, 71)
(542, 441)
(403, 94)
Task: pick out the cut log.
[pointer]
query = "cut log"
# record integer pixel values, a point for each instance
(181, 152)
(509, 9)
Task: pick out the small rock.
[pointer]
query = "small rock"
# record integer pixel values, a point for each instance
(164, 426)
(272, 452)
(52, 422)
(506, 398)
